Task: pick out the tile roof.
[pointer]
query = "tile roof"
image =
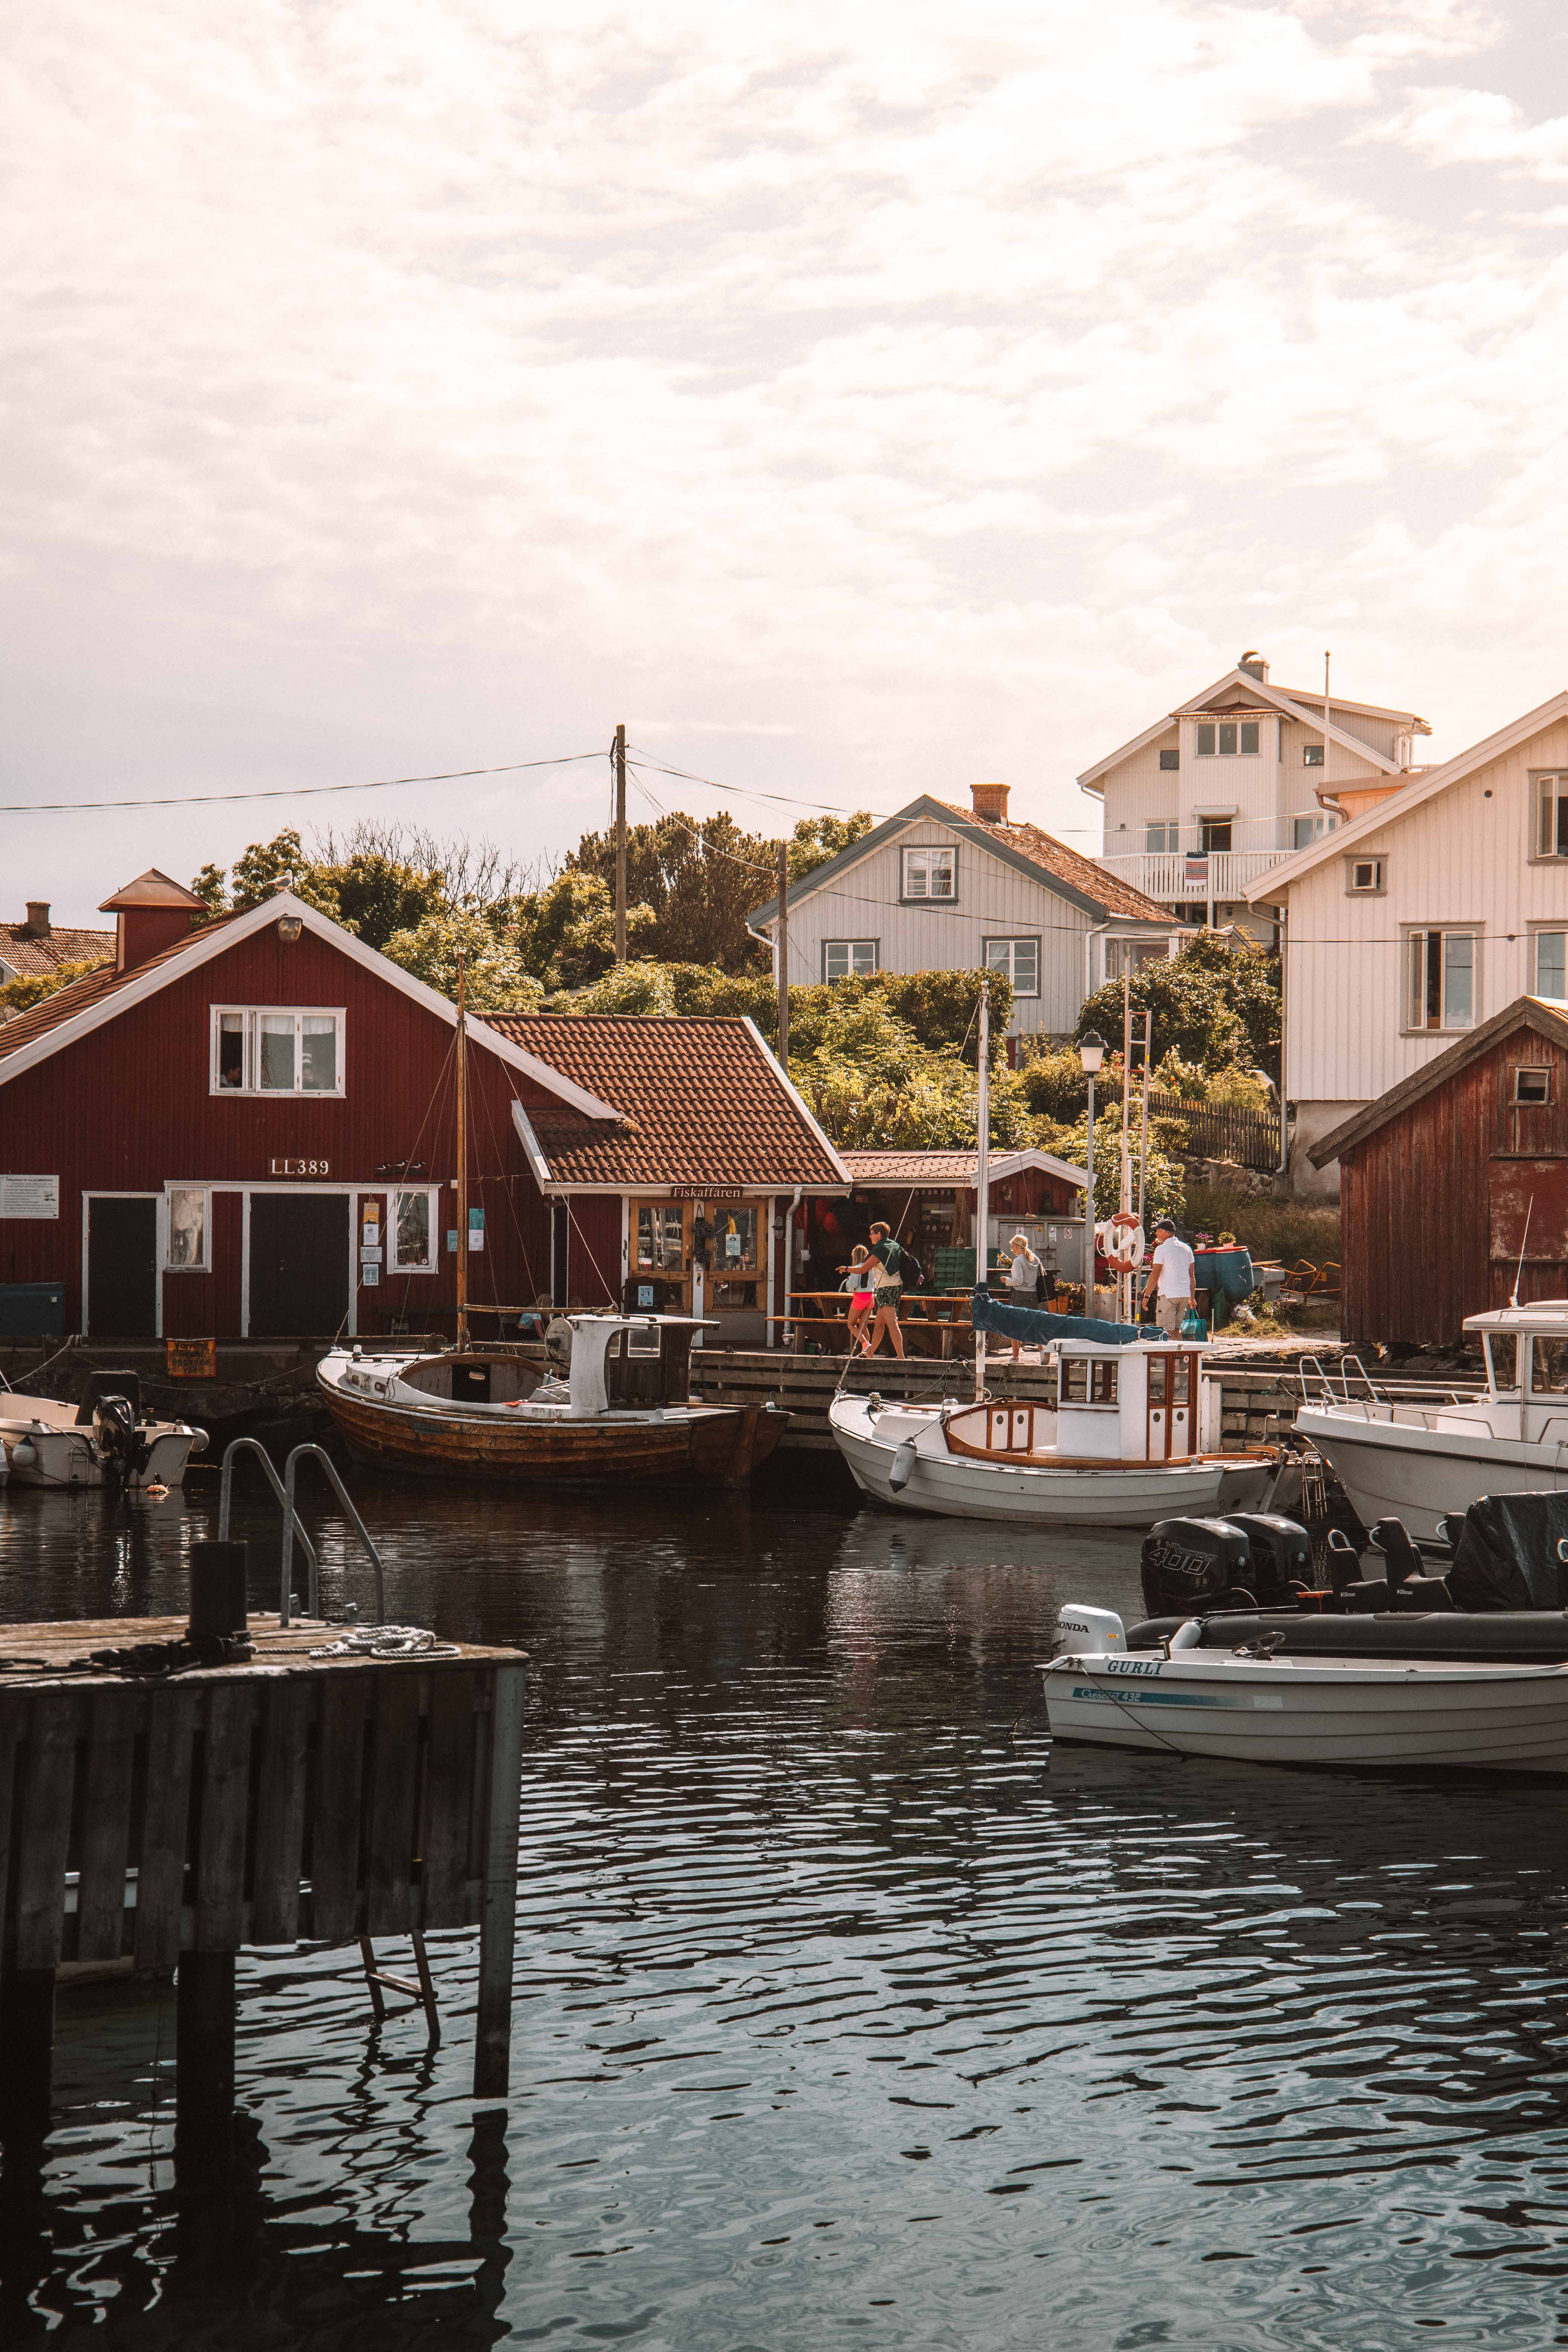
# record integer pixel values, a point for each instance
(94, 986)
(945, 1168)
(21, 951)
(1081, 874)
(703, 1102)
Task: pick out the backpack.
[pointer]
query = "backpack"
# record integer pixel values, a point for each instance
(911, 1272)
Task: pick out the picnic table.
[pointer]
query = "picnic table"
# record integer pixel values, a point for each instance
(930, 1320)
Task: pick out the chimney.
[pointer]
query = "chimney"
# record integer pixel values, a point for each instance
(150, 914)
(990, 803)
(1254, 666)
(38, 919)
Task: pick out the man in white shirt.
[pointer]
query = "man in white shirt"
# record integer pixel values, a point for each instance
(1170, 1283)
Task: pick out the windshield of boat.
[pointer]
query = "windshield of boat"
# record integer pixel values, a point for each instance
(1548, 1366)
(1501, 1350)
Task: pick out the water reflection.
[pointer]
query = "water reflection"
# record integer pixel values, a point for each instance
(842, 2003)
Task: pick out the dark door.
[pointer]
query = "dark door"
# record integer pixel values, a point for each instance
(298, 1264)
(122, 1269)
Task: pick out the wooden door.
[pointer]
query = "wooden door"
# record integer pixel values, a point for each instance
(1159, 1413)
(298, 1264)
(1181, 1386)
(123, 1267)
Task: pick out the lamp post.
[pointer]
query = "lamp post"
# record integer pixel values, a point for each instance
(1092, 1054)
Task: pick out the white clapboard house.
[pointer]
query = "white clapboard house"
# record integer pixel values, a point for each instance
(937, 889)
(1211, 796)
(1432, 906)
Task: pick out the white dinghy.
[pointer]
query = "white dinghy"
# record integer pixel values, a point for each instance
(1485, 1693)
(1418, 1462)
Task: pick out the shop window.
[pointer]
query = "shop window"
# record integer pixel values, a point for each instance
(261, 1050)
(412, 1232)
(187, 1250)
(661, 1245)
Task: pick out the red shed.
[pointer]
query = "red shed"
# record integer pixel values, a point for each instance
(246, 1130)
(1454, 1184)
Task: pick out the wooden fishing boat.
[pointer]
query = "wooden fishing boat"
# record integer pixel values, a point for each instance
(623, 1413)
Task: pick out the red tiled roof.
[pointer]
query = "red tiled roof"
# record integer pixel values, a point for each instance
(703, 1102)
(94, 986)
(1054, 856)
(21, 951)
(936, 1168)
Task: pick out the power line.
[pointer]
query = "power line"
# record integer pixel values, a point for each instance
(288, 792)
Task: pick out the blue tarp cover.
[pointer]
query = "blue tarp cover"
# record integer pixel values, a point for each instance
(1033, 1323)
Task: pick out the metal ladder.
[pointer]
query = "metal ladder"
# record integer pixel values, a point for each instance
(292, 1526)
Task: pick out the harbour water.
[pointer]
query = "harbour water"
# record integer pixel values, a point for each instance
(846, 2013)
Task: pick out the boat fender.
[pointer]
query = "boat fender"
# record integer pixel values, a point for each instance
(904, 1464)
(23, 1455)
(1185, 1637)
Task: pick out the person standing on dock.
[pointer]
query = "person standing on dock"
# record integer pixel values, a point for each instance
(888, 1258)
(1170, 1285)
(1024, 1273)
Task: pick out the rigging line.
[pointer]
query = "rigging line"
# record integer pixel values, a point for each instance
(506, 1194)
(412, 1184)
(573, 1219)
(288, 792)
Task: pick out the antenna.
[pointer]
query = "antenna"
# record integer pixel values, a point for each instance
(1524, 1245)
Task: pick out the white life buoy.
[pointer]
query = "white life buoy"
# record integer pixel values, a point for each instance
(1121, 1246)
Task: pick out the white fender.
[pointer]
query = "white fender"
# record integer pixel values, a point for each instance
(1121, 1246)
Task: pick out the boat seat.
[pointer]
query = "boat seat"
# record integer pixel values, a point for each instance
(1389, 1537)
(1426, 1592)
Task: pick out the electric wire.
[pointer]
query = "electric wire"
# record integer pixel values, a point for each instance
(289, 791)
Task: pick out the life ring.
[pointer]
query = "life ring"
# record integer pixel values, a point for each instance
(1121, 1246)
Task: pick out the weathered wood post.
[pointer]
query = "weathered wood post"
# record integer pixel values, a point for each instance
(498, 1901)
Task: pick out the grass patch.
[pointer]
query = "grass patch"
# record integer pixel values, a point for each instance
(1288, 1230)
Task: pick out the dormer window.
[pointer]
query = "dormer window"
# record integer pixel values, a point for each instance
(931, 874)
(276, 1050)
(1227, 738)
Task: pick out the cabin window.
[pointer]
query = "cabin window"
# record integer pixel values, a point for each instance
(1440, 980)
(1088, 1379)
(1551, 816)
(1500, 1349)
(931, 874)
(414, 1232)
(263, 1050)
(1548, 1366)
(1020, 959)
(1532, 1085)
(849, 959)
(187, 1250)
(1551, 964)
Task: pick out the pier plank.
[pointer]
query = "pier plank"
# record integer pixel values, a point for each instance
(336, 1824)
(277, 1849)
(114, 1717)
(448, 1801)
(166, 1827)
(12, 1754)
(394, 1807)
(224, 1801)
(48, 1802)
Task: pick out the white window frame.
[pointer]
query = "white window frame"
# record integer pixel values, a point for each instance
(919, 859)
(1318, 823)
(251, 1015)
(395, 1193)
(1425, 933)
(1530, 1070)
(1375, 883)
(1547, 931)
(1011, 945)
(171, 1265)
(1169, 830)
(873, 948)
(1550, 843)
(1236, 749)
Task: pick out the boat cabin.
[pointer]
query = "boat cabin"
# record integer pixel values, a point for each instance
(1526, 1352)
(642, 1362)
(1138, 1404)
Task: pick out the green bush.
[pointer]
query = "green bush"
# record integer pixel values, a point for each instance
(1287, 1230)
(1217, 1006)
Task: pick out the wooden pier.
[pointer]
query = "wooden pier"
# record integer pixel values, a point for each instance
(173, 1819)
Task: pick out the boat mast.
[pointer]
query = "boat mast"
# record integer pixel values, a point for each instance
(982, 1180)
(462, 1159)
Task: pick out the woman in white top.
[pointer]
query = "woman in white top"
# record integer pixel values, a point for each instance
(1023, 1276)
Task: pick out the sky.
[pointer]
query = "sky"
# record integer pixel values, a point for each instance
(855, 400)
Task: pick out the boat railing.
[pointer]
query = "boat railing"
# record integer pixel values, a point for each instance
(293, 1525)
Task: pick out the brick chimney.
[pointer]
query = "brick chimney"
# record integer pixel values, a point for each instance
(990, 802)
(150, 914)
(38, 919)
(1254, 666)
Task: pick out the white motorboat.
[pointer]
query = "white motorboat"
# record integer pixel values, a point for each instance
(46, 1442)
(1134, 1438)
(1387, 1691)
(1419, 1462)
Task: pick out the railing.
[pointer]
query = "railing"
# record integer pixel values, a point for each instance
(1222, 1131)
(293, 1525)
(1188, 876)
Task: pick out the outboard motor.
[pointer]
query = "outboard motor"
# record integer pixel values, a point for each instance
(1281, 1555)
(1188, 1565)
(117, 1437)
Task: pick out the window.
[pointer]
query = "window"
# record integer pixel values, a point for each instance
(187, 1251)
(931, 874)
(1205, 742)
(1088, 1379)
(1311, 755)
(1232, 736)
(412, 1232)
(1552, 822)
(1532, 1085)
(1441, 979)
(661, 1236)
(1551, 964)
(1161, 837)
(1216, 834)
(1363, 876)
(259, 1051)
(1170, 759)
(1020, 959)
(1307, 829)
(849, 959)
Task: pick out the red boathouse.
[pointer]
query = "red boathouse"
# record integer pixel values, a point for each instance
(246, 1130)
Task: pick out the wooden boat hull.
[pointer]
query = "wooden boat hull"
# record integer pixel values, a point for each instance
(706, 1444)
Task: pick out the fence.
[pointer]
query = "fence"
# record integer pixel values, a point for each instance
(1221, 1131)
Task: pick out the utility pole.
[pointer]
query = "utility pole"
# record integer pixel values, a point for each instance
(983, 1181)
(620, 844)
(783, 953)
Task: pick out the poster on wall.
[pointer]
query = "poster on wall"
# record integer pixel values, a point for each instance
(30, 1196)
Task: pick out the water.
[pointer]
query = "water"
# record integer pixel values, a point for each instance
(846, 2013)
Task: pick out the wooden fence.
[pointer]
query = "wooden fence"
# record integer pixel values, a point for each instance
(1222, 1131)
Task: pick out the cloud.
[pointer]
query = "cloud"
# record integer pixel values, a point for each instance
(1451, 125)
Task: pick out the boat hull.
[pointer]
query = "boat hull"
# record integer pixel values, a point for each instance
(1400, 1716)
(710, 1444)
(1391, 1470)
(66, 1458)
(950, 1485)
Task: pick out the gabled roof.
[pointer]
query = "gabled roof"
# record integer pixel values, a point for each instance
(954, 1168)
(76, 1012)
(1291, 704)
(1549, 1020)
(1421, 788)
(1039, 855)
(22, 951)
(705, 1100)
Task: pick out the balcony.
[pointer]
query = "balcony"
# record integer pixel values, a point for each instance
(1184, 877)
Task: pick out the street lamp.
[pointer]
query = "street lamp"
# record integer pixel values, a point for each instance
(1092, 1054)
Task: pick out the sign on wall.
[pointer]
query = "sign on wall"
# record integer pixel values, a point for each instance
(300, 1167)
(30, 1196)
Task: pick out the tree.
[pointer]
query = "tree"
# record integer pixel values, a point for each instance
(1214, 1006)
(30, 988)
(496, 981)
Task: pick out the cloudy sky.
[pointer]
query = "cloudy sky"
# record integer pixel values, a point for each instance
(855, 400)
